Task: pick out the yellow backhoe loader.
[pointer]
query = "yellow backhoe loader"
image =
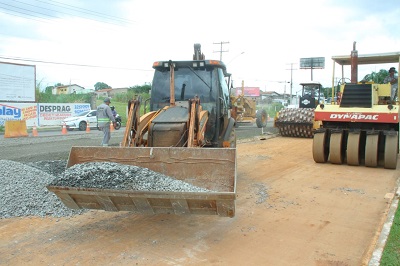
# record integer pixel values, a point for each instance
(188, 134)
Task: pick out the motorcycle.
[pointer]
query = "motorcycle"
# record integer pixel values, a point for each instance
(118, 121)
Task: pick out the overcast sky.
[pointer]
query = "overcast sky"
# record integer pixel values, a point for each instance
(117, 41)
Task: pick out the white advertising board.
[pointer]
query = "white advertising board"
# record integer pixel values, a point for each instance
(17, 82)
(42, 114)
(52, 114)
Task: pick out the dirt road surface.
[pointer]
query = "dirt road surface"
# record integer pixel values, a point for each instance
(289, 211)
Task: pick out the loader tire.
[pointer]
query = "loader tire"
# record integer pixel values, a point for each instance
(261, 118)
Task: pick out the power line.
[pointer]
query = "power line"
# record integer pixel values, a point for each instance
(21, 16)
(28, 10)
(53, 11)
(87, 11)
(67, 64)
(32, 11)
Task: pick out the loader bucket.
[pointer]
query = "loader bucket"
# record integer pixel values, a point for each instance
(210, 168)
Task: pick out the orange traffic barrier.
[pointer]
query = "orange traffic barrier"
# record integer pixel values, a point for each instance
(111, 126)
(64, 129)
(15, 129)
(34, 130)
(87, 127)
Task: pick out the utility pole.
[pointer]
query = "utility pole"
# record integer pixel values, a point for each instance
(291, 80)
(221, 51)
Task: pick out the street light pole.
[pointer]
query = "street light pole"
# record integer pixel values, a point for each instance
(284, 92)
(235, 58)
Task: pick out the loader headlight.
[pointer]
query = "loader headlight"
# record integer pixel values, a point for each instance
(198, 64)
(390, 106)
(322, 106)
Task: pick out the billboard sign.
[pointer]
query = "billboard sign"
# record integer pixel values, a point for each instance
(312, 62)
(248, 91)
(40, 114)
(17, 82)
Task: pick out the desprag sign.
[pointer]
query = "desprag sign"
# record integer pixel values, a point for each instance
(40, 114)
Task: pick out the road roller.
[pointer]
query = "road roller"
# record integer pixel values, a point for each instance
(362, 126)
(299, 122)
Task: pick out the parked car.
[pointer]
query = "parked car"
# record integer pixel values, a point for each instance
(80, 120)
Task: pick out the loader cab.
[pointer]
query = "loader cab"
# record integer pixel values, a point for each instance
(206, 79)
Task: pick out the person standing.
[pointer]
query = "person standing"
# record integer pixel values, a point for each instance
(104, 116)
(393, 80)
(113, 111)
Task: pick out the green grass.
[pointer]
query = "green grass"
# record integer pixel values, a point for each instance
(391, 253)
(62, 98)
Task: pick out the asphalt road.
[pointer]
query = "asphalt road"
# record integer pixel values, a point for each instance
(246, 130)
(243, 131)
(53, 145)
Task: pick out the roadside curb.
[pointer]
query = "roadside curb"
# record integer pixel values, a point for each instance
(380, 245)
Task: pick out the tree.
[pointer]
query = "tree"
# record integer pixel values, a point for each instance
(49, 89)
(140, 89)
(100, 86)
(376, 77)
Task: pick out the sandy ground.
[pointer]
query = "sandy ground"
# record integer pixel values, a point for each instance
(289, 211)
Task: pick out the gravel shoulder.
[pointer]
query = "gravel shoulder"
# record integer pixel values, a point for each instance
(289, 211)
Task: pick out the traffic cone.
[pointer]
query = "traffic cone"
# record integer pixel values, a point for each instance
(111, 126)
(64, 129)
(34, 130)
(87, 127)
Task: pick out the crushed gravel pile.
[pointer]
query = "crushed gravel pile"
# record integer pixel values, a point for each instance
(108, 175)
(54, 168)
(23, 191)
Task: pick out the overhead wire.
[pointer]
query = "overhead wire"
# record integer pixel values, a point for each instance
(87, 11)
(67, 64)
(33, 11)
(16, 7)
(20, 16)
(62, 12)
